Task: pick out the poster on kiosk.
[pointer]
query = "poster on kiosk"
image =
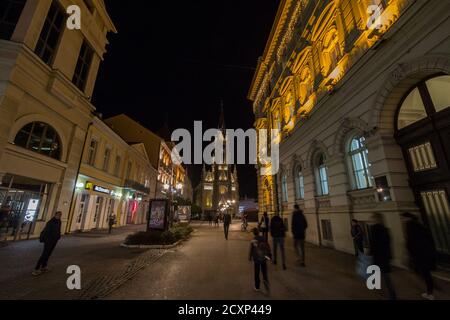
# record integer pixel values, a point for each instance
(159, 215)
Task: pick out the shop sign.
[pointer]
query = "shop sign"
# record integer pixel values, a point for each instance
(97, 188)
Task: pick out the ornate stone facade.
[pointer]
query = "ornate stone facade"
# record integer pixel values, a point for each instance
(332, 79)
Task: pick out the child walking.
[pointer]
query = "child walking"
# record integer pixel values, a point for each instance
(260, 252)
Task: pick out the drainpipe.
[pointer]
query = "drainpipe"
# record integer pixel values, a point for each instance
(72, 202)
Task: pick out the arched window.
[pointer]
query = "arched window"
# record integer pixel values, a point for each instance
(428, 98)
(321, 172)
(41, 138)
(360, 165)
(299, 183)
(284, 188)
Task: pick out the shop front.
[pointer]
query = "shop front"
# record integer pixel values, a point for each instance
(94, 203)
(23, 201)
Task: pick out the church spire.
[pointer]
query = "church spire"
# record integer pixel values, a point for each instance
(222, 117)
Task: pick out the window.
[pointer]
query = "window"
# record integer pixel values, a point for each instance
(426, 99)
(360, 164)
(321, 176)
(129, 166)
(348, 15)
(117, 166)
(439, 89)
(92, 154)
(106, 158)
(89, 4)
(412, 111)
(10, 11)
(83, 65)
(327, 232)
(41, 138)
(331, 50)
(50, 34)
(299, 183)
(284, 188)
(422, 157)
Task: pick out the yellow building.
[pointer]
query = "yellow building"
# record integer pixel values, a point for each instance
(170, 180)
(47, 77)
(115, 179)
(358, 90)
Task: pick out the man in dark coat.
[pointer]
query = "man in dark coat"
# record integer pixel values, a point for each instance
(380, 250)
(278, 233)
(264, 226)
(50, 237)
(358, 237)
(226, 224)
(421, 249)
(299, 226)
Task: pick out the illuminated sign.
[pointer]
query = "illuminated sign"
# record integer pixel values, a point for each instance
(101, 189)
(96, 188)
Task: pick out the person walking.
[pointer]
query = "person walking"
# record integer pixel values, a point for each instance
(111, 222)
(380, 250)
(422, 251)
(4, 220)
(210, 218)
(264, 226)
(50, 237)
(358, 237)
(278, 233)
(259, 253)
(216, 220)
(226, 224)
(299, 226)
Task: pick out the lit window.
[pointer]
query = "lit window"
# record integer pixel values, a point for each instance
(360, 163)
(41, 138)
(299, 183)
(284, 188)
(321, 172)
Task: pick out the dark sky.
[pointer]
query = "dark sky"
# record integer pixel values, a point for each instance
(179, 59)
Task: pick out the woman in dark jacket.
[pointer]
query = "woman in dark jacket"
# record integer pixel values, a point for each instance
(421, 249)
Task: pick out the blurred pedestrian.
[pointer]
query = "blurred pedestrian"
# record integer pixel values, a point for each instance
(49, 237)
(380, 250)
(260, 252)
(422, 251)
(5, 211)
(210, 218)
(299, 226)
(226, 224)
(216, 220)
(111, 222)
(358, 237)
(278, 233)
(264, 225)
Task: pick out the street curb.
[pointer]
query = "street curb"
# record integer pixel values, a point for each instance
(156, 247)
(139, 246)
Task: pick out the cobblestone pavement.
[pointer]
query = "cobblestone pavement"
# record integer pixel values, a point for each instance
(98, 254)
(209, 267)
(203, 268)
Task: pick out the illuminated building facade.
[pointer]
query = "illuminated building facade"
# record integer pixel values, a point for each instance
(171, 177)
(47, 77)
(115, 178)
(218, 190)
(359, 92)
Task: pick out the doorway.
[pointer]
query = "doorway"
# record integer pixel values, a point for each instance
(423, 132)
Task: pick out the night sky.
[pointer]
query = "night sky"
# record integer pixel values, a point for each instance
(177, 60)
